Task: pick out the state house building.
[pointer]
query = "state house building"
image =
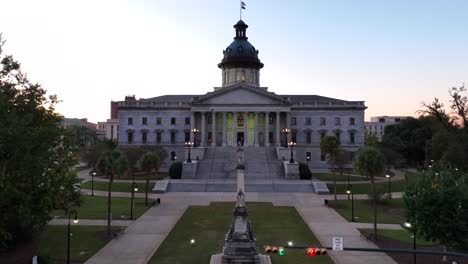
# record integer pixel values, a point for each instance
(242, 112)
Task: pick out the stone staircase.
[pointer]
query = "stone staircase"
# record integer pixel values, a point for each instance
(261, 163)
(219, 163)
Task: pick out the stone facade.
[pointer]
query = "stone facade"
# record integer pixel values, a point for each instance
(242, 112)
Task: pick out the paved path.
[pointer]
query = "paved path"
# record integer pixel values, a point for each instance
(379, 226)
(90, 222)
(84, 174)
(142, 238)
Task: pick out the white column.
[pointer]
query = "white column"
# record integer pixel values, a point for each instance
(203, 130)
(234, 129)
(246, 131)
(256, 130)
(192, 126)
(224, 129)
(267, 129)
(213, 129)
(288, 125)
(278, 144)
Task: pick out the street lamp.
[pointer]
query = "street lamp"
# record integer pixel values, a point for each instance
(389, 187)
(410, 227)
(347, 170)
(189, 144)
(350, 191)
(75, 220)
(92, 182)
(195, 131)
(286, 132)
(291, 145)
(134, 189)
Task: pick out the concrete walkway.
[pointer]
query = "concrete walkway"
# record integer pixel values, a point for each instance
(142, 237)
(379, 226)
(90, 222)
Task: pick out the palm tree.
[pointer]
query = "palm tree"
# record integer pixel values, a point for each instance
(111, 163)
(150, 161)
(371, 162)
(330, 146)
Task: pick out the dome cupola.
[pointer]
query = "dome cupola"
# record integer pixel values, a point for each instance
(240, 62)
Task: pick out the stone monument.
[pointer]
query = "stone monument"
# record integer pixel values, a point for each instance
(239, 243)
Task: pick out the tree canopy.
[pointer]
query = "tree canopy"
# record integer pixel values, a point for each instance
(36, 156)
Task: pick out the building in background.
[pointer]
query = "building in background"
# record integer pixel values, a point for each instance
(241, 112)
(110, 128)
(377, 124)
(85, 131)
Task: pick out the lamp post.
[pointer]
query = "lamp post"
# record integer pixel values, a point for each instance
(195, 131)
(308, 159)
(389, 187)
(347, 170)
(134, 189)
(286, 132)
(291, 145)
(75, 220)
(92, 182)
(350, 191)
(410, 227)
(189, 144)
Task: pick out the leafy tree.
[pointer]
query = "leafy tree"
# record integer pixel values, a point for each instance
(36, 157)
(371, 162)
(330, 145)
(150, 162)
(437, 206)
(134, 154)
(91, 154)
(304, 171)
(112, 163)
(83, 136)
(175, 170)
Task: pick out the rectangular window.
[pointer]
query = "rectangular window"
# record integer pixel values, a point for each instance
(187, 120)
(323, 121)
(337, 121)
(352, 121)
(381, 120)
(144, 137)
(158, 120)
(158, 137)
(322, 134)
(172, 137)
(308, 121)
(293, 121)
(187, 136)
(144, 121)
(270, 137)
(351, 137)
(293, 137)
(173, 120)
(308, 138)
(130, 121)
(130, 137)
(338, 136)
(397, 120)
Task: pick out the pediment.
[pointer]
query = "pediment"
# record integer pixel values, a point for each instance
(241, 94)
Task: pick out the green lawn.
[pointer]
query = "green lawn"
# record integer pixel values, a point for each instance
(390, 213)
(117, 186)
(401, 235)
(208, 225)
(141, 176)
(340, 178)
(85, 241)
(95, 207)
(363, 188)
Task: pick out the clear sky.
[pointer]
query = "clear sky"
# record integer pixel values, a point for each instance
(393, 54)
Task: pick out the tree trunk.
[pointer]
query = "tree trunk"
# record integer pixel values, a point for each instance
(146, 188)
(374, 205)
(334, 179)
(109, 205)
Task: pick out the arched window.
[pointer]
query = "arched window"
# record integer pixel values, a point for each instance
(240, 121)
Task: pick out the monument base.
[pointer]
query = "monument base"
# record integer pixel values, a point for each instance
(218, 259)
(189, 170)
(291, 170)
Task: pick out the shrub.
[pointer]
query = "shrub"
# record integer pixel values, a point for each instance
(175, 171)
(304, 172)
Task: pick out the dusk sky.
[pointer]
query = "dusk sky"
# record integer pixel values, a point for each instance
(391, 54)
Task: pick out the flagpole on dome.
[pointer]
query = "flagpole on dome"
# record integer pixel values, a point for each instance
(242, 6)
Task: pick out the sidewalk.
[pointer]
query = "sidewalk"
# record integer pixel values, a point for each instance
(90, 222)
(143, 237)
(379, 226)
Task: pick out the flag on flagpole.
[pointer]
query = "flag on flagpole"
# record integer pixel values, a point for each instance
(242, 5)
